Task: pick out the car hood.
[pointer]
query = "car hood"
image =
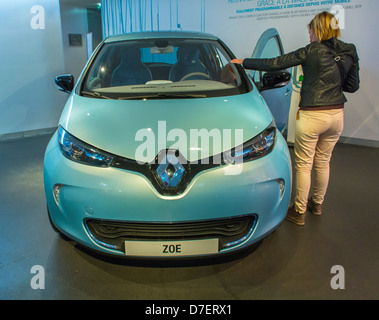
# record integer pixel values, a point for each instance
(122, 127)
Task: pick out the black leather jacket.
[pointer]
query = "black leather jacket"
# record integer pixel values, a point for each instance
(322, 80)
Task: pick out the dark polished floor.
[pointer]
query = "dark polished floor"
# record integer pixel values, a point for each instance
(291, 263)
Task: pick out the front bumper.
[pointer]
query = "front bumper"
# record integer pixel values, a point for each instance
(110, 195)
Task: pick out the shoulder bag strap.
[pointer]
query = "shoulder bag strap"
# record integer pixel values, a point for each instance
(341, 68)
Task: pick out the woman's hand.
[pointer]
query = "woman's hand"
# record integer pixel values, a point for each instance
(237, 61)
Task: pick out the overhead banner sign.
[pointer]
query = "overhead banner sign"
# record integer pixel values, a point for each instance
(289, 9)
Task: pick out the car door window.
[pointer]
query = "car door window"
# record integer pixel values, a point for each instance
(270, 50)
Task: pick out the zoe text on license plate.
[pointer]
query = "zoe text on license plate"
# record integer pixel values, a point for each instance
(172, 248)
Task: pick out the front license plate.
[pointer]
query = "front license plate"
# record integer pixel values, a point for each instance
(171, 248)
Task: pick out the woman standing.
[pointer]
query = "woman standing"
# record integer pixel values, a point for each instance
(330, 66)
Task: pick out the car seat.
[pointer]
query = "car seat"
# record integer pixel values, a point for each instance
(188, 62)
(131, 69)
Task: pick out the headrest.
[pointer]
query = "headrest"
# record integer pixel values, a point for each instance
(130, 55)
(188, 54)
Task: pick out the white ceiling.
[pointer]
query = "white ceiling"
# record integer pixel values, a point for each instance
(80, 3)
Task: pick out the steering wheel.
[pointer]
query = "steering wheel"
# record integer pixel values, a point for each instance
(202, 74)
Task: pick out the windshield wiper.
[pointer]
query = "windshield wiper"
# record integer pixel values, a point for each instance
(167, 95)
(95, 94)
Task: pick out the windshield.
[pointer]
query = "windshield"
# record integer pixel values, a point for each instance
(163, 68)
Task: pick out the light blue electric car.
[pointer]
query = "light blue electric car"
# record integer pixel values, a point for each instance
(165, 149)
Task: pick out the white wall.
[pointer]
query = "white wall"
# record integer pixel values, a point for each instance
(362, 110)
(74, 21)
(30, 59)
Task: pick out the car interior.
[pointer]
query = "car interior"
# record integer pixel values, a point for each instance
(134, 64)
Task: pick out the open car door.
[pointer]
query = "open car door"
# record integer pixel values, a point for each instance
(275, 87)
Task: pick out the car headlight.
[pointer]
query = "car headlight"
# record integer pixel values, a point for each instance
(76, 150)
(255, 148)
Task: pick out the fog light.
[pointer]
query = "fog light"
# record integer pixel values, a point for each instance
(57, 188)
(281, 184)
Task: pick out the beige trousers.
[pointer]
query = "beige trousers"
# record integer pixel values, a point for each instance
(317, 132)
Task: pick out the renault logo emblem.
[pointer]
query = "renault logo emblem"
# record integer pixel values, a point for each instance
(170, 169)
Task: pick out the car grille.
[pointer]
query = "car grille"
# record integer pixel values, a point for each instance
(149, 171)
(229, 231)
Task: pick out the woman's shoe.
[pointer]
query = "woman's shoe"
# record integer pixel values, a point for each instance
(314, 207)
(295, 217)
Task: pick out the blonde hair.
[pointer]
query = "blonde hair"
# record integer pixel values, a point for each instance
(325, 26)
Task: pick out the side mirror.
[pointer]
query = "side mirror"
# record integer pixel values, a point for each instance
(275, 79)
(65, 82)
